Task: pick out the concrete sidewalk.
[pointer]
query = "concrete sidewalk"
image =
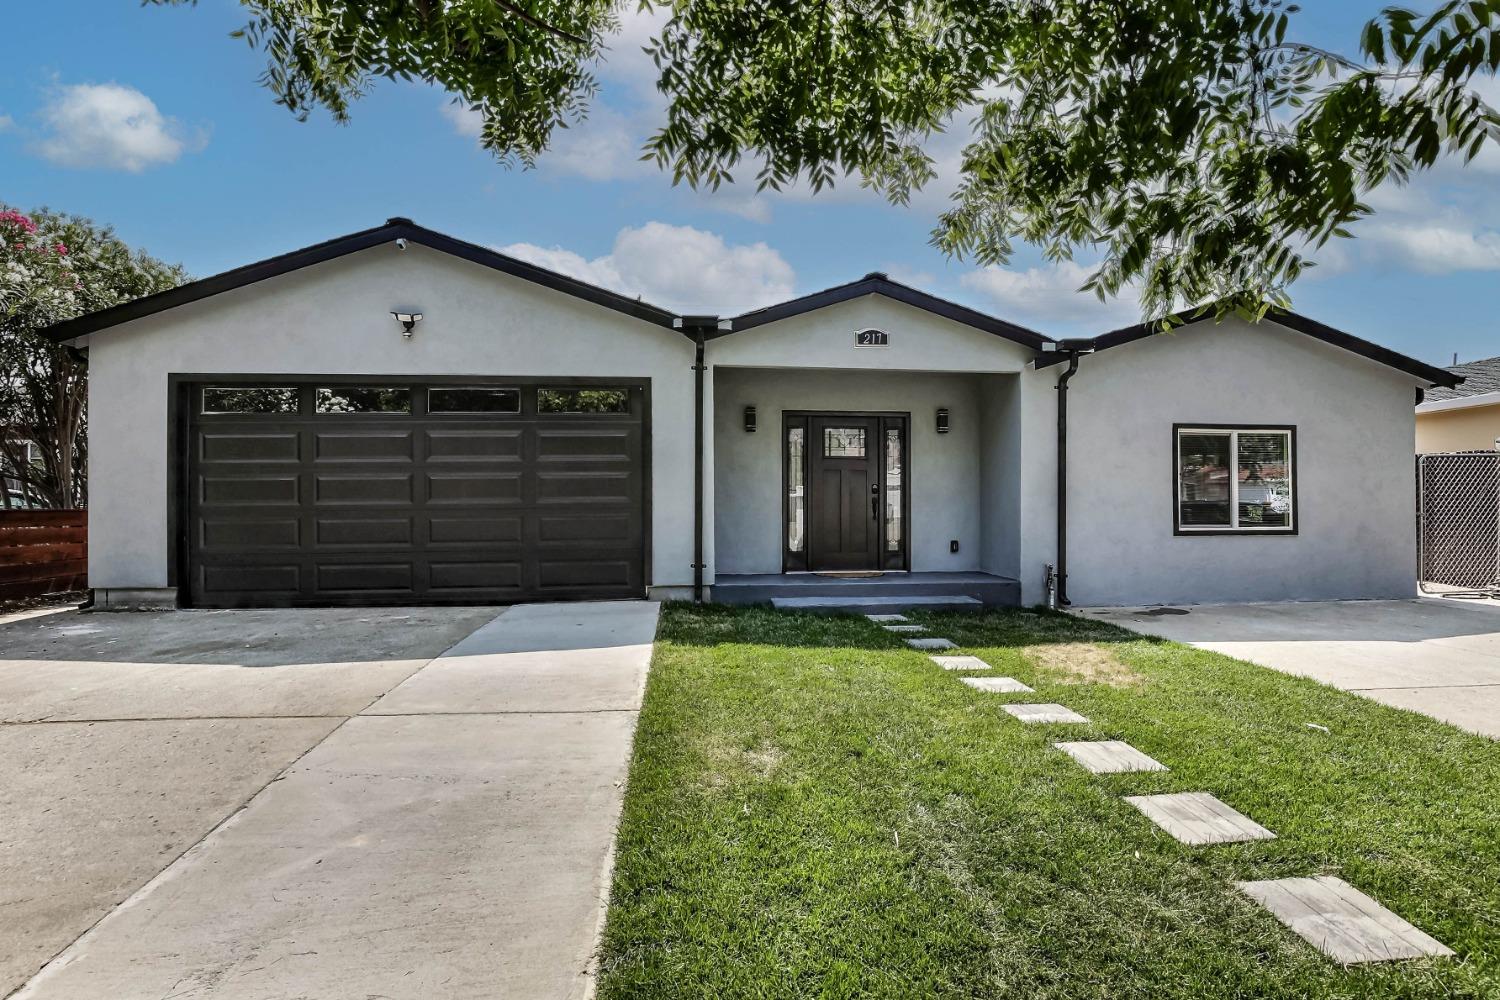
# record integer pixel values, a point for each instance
(1438, 657)
(450, 840)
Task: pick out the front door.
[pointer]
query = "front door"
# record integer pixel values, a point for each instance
(844, 488)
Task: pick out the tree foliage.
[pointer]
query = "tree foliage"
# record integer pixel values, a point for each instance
(1195, 145)
(54, 267)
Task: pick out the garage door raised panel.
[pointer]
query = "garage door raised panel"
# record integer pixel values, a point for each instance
(399, 491)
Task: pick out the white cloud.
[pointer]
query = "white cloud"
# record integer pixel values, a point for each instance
(1433, 247)
(466, 121)
(7, 123)
(110, 126)
(677, 267)
(1049, 296)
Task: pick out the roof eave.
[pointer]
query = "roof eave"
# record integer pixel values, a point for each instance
(392, 230)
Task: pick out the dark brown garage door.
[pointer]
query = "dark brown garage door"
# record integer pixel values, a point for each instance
(397, 492)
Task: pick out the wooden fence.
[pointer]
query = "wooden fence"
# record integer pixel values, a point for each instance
(43, 552)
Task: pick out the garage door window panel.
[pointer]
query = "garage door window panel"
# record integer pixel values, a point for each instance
(246, 400)
(364, 399)
(582, 401)
(471, 399)
(1235, 480)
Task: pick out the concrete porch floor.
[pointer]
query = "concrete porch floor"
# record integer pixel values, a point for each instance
(1429, 655)
(888, 591)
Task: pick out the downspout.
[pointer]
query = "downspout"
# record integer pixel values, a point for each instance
(698, 367)
(1062, 479)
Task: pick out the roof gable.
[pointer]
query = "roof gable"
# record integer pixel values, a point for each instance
(1285, 318)
(876, 283)
(393, 230)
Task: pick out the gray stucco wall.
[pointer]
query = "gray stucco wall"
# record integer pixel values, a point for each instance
(943, 468)
(1355, 430)
(334, 319)
(809, 362)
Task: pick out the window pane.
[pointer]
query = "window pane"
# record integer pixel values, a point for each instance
(1203, 480)
(465, 400)
(364, 399)
(843, 442)
(894, 486)
(250, 399)
(582, 401)
(1265, 481)
(796, 489)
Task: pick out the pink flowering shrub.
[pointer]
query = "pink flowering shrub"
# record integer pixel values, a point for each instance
(34, 273)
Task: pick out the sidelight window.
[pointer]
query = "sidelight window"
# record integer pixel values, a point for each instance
(796, 489)
(1235, 479)
(895, 488)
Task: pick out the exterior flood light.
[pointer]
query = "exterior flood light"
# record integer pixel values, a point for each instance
(408, 322)
(749, 420)
(942, 420)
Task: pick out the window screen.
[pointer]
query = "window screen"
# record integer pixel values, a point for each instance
(1234, 479)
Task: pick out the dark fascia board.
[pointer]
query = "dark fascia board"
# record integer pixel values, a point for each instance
(1290, 320)
(394, 229)
(879, 284)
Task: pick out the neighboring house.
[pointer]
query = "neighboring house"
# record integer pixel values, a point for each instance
(274, 436)
(1464, 417)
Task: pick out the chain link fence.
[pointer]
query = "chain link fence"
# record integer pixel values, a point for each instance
(1458, 519)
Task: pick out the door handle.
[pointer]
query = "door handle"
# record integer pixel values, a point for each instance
(875, 508)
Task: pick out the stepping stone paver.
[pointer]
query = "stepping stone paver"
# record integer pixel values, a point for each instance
(1000, 685)
(1199, 818)
(1109, 756)
(1340, 921)
(1044, 713)
(887, 618)
(904, 628)
(960, 663)
(931, 643)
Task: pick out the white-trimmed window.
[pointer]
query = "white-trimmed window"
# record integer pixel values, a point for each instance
(1235, 479)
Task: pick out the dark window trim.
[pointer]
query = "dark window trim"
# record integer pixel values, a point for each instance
(1210, 427)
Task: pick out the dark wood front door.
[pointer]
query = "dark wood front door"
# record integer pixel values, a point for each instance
(844, 492)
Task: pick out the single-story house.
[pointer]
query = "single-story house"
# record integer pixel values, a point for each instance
(1463, 417)
(398, 417)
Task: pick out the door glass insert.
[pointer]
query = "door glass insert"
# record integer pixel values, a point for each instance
(364, 399)
(895, 488)
(796, 489)
(843, 442)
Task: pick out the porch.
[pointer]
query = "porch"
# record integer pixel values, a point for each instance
(906, 484)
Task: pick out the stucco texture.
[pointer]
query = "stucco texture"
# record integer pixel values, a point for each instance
(1354, 472)
(334, 319)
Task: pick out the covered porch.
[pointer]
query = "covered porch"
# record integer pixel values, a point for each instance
(865, 487)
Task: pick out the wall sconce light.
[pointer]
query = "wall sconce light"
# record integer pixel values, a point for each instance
(942, 420)
(408, 322)
(749, 420)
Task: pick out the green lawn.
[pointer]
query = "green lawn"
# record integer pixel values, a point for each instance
(815, 810)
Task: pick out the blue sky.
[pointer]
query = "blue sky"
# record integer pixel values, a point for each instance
(151, 119)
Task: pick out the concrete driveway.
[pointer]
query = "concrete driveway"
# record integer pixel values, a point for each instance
(1439, 657)
(403, 803)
